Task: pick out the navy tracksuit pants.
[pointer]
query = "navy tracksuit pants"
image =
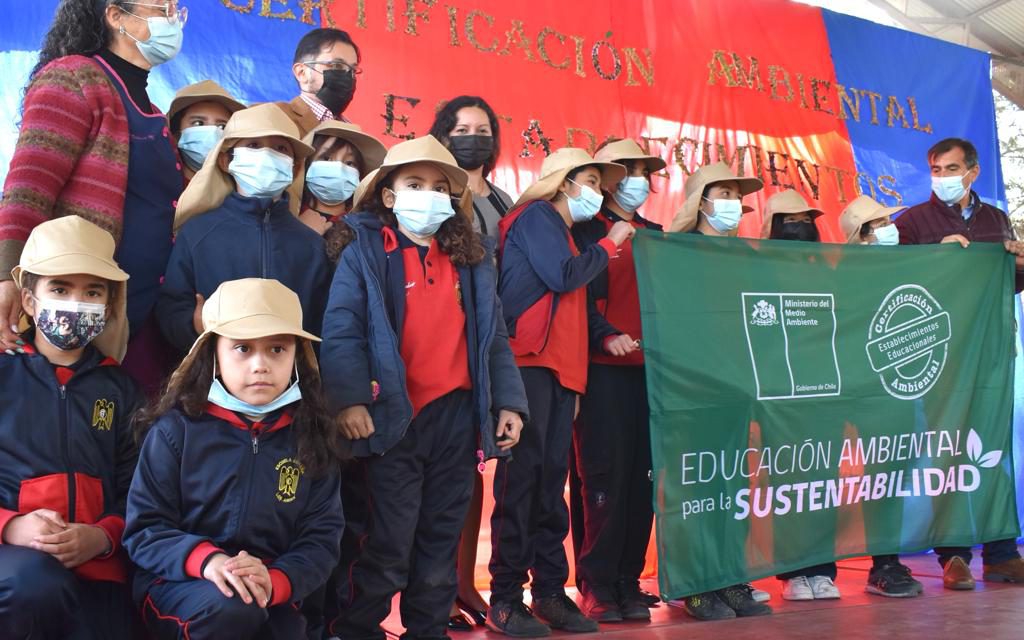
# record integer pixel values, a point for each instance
(41, 600)
(613, 461)
(197, 610)
(418, 493)
(530, 519)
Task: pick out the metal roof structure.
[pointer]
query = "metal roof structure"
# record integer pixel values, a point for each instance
(996, 26)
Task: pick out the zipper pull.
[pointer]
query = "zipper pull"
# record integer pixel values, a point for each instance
(63, 392)
(480, 465)
(255, 442)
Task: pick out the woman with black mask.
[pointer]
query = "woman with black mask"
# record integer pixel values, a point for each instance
(469, 128)
(787, 216)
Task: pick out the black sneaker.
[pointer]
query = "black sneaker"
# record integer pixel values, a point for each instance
(740, 598)
(631, 589)
(559, 612)
(649, 598)
(893, 581)
(596, 605)
(707, 606)
(516, 620)
(631, 603)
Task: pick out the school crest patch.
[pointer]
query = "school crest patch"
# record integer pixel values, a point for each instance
(103, 415)
(289, 471)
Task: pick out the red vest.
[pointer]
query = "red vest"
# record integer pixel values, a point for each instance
(622, 307)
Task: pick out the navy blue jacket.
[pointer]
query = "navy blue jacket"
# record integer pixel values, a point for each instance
(68, 447)
(219, 482)
(589, 233)
(243, 238)
(536, 260)
(362, 325)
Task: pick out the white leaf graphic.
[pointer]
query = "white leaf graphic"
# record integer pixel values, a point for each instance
(990, 459)
(973, 445)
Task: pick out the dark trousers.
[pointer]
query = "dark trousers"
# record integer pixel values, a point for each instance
(991, 552)
(530, 519)
(197, 610)
(418, 494)
(40, 600)
(613, 459)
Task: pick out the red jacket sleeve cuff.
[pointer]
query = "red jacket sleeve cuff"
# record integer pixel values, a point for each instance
(113, 526)
(282, 587)
(195, 561)
(6, 516)
(608, 246)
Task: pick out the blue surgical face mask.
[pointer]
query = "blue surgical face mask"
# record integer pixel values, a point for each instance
(632, 193)
(726, 216)
(422, 212)
(949, 189)
(220, 396)
(195, 143)
(888, 235)
(261, 173)
(332, 182)
(586, 205)
(165, 37)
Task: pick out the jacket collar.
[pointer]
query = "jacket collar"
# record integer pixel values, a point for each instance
(955, 210)
(256, 208)
(614, 217)
(44, 369)
(274, 421)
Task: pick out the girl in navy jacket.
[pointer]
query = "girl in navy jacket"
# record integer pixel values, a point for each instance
(235, 221)
(417, 364)
(234, 513)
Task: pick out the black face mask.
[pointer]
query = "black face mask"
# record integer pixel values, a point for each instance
(471, 152)
(337, 90)
(803, 231)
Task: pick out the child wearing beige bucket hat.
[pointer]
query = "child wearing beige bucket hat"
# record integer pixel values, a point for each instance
(866, 221)
(342, 156)
(611, 438)
(197, 117)
(418, 370)
(234, 514)
(713, 201)
(787, 216)
(66, 443)
(544, 300)
(234, 222)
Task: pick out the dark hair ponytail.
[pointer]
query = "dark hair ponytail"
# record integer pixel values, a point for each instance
(79, 27)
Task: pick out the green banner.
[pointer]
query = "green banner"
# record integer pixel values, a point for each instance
(811, 402)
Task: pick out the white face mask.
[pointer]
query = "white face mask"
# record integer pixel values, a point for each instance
(261, 173)
(422, 212)
(726, 216)
(165, 37)
(888, 235)
(586, 205)
(949, 189)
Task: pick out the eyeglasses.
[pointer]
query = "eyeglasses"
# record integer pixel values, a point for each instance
(335, 65)
(170, 9)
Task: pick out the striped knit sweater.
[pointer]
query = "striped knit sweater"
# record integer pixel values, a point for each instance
(71, 157)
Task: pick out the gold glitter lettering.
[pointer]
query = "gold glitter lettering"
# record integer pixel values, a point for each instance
(779, 76)
(805, 175)
(542, 47)
(730, 68)
(632, 59)
(774, 169)
(913, 115)
(895, 110)
(267, 10)
(867, 178)
(819, 98)
(471, 30)
(874, 106)
(579, 56)
(240, 8)
(308, 6)
(453, 26)
(840, 175)
(412, 15)
(645, 144)
(521, 40)
(846, 101)
(800, 89)
(534, 136)
(361, 14)
(595, 59)
(890, 192)
(570, 138)
(390, 118)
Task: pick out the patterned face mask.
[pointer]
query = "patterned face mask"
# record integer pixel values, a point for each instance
(69, 325)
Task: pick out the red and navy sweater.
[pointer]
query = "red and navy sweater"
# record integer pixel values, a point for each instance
(66, 444)
(220, 483)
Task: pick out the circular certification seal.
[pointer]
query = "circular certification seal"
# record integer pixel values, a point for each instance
(908, 341)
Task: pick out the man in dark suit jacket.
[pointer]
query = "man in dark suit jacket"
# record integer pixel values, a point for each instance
(325, 67)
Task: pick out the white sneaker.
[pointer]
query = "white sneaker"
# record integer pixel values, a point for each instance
(797, 589)
(758, 595)
(823, 588)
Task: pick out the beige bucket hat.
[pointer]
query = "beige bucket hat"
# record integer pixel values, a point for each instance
(424, 149)
(686, 217)
(211, 186)
(69, 245)
(252, 308)
(622, 151)
(860, 210)
(559, 164)
(788, 201)
(369, 148)
(205, 91)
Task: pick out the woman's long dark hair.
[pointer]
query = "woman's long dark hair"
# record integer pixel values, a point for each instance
(456, 237)
(448, 116)
(340, 235)
(79, 27)
(318, 441)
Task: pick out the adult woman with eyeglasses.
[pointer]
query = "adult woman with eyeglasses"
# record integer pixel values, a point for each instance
(325, 67)
(93, 145)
